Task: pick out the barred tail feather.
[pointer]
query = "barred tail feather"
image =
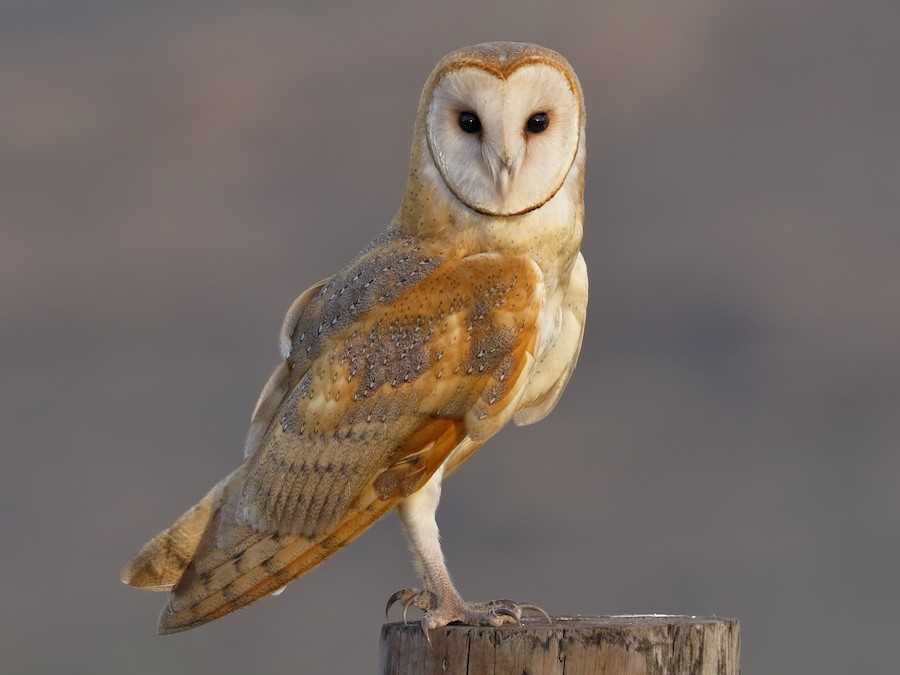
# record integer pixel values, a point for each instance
(235, 564)
(259, 566)
(163, 560)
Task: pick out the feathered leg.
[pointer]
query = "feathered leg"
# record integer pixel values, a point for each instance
(439, 598)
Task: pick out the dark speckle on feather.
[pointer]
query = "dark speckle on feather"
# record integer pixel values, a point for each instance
(391, 263)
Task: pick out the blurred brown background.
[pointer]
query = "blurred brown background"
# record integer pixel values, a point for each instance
(173, 174)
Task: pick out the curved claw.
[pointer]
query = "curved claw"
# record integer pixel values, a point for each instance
(406, 605)
(530, 607)
(505, 611)
(411, 597)
(425, 630)
(391, 600)
(522, 607)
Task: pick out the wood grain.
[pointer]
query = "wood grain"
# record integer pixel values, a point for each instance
(579, 645)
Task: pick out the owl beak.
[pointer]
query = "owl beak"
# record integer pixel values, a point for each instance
(503, 181)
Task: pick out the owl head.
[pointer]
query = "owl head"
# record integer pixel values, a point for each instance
(499, 127)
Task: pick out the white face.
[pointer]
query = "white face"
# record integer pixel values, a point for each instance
(504, 147)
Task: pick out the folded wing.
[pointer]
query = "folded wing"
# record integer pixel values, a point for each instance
(371, 407)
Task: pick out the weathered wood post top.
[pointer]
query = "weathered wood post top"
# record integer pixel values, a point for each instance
(578, 645)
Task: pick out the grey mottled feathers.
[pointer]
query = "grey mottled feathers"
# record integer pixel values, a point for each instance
(356, 379)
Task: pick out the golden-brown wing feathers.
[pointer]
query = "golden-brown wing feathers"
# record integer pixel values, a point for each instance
(162, 561)
(277, 386)
(373, 405)
(448, 347)
(259, 564)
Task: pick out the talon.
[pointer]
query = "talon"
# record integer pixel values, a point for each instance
(530, 607)
(425, 630)
(412, 597)
(505, 611)
(391, 600)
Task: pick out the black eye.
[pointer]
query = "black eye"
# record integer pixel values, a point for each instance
(537, 123)
(469, 122)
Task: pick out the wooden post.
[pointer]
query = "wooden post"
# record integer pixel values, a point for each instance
(580, 645)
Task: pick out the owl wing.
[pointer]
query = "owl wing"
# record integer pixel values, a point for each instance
(162, 561)
(374, 405)
(276, 388)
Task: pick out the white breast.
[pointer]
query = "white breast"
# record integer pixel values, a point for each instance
(559, 342)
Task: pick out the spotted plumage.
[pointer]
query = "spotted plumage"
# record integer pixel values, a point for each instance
(465, 313)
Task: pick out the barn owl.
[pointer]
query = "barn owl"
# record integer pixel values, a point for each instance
(465, 313)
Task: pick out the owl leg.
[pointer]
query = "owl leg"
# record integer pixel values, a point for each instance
(439, 598)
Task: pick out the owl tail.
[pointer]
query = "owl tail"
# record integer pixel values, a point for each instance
(163, 560)
(214, 563)
(235, 565)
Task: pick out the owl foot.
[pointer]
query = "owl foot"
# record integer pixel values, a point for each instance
(452, 609)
